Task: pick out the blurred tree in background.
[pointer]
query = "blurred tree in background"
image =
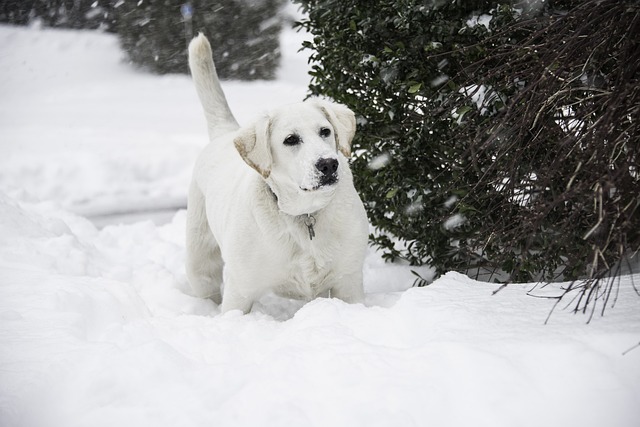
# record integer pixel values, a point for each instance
(244, 34)
(498, 138)
(77, 14)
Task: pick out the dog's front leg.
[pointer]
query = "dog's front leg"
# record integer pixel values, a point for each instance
(234, 299)
(349, 288)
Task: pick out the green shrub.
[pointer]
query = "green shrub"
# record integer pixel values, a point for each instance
(391, 62)
(244, 35)
(508, 150)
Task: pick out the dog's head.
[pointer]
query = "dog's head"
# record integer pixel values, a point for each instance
(300, 150)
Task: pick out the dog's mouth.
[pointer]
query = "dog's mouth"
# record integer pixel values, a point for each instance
(325, 181)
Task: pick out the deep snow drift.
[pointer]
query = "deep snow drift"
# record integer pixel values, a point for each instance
(97, 327)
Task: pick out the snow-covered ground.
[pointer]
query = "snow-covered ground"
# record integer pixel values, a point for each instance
(97, 327)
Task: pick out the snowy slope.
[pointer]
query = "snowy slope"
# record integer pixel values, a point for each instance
(97, 327)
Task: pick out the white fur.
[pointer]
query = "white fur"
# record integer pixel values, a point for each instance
(251, 193)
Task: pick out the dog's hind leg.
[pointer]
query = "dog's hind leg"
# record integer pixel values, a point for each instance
(204, 261)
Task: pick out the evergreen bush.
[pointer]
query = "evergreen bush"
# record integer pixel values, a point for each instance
(244, 35)
(494, 137)
(391, 62)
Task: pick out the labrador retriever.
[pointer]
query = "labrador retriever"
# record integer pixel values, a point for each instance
(272, 206)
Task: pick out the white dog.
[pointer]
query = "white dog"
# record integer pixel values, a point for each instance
(272, 205)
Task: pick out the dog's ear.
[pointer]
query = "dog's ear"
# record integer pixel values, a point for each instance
(252, 142)
(343, 121)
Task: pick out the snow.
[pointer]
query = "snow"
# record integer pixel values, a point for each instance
(98, 328)
(483, 19)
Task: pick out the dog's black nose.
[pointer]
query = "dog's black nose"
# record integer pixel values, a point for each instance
(327, 167)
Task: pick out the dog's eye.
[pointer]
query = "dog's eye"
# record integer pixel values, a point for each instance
(292, 140)
(325, 132)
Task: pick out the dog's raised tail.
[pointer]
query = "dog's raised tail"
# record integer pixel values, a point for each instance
(216, 109)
